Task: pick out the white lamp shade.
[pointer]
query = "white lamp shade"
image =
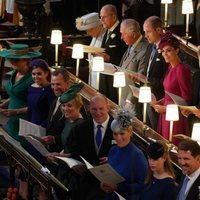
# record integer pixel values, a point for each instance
(145, 94)
(98, 64)
(77, 51)
(172, 113)
(196, 132)
(166, 1)
(187, 7)
(119, 80)
(56, 37)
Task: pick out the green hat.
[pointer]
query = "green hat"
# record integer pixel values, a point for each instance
(20, 51)
(71, 93)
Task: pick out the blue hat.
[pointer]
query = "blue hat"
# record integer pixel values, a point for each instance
(155, 150)
(71, 93)
(39, 63)
(20, 51)
(123, 121)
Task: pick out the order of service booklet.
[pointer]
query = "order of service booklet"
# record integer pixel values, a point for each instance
(181, 102)
(28, 128)
(104, 173)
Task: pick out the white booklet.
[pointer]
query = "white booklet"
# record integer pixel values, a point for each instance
(136, 91)
(181, 102)
(110, 69)
(71, 162)
(104, 173)
(119, 196)
(90, 49)
(37, 144)
(28, 128)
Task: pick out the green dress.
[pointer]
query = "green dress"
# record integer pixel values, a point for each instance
(18, 92)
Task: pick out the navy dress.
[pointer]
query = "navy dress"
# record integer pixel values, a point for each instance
(39, 102)
(130, 163)
(160, 189)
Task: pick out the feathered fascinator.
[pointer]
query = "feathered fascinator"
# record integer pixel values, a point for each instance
(169, 39)
(123, 118)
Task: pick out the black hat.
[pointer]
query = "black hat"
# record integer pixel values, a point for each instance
(71, 93)
(155, 150)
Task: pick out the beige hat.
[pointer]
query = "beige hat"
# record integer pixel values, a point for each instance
(88, 21)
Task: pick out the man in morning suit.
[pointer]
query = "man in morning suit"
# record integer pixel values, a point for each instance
(155, 65)
(134, 57)
(56, 120)
(85, 142)
(189, 160)
(114, 48)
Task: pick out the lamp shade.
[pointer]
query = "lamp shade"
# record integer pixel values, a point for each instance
(56, 37)
(172, 113)
(187, 7)
(98, 64)
(196, 132)
(145, 94)
(119, 80)
(77, 51)
(166, 1)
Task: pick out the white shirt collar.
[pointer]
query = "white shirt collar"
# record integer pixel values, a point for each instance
(104, 124)
(114, 26)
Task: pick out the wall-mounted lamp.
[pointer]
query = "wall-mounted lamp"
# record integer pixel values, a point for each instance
(166, 2)
(187, 9)
(77, 53)
(144, 97)
(196, 132)
(98, 66)
(172, 115)
(119, 81)
(56, 38)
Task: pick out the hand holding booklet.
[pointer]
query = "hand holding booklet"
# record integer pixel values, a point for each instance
(104, 173)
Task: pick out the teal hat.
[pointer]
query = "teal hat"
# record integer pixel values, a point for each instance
(71, 93)
(20, 51)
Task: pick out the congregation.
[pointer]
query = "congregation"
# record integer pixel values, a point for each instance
(49, 99)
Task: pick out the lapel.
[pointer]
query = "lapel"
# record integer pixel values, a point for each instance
(193, 193)
(153, 62)
(107, 140)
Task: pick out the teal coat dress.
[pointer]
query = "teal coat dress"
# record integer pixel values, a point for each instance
(18, 92)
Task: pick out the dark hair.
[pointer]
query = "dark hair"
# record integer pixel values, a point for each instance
(190, 145)
(169, 39)
(63, 72)
(164, 150)
(42, 64)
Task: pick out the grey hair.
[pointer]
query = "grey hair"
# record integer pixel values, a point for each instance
(131, 26)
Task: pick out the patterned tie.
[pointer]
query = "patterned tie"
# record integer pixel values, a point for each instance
(181, 195)
(98, 135)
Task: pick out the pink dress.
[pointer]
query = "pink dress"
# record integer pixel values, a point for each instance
(177, 81)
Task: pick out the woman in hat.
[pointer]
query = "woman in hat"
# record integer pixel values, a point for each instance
(177, 81)
(126, 159)
(40, 94)
(17, 88)
(93, 27)
(160, 183)
(71, 103)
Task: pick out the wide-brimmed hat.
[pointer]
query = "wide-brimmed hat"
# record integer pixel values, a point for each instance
(88, 21)
(71, 93)
(20, 51)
